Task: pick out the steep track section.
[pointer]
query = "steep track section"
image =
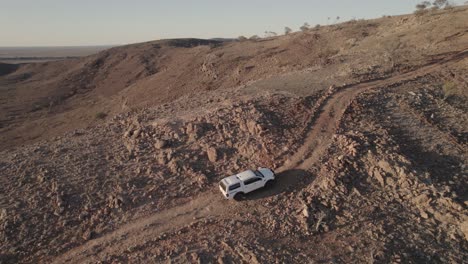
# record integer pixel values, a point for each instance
(324, 123)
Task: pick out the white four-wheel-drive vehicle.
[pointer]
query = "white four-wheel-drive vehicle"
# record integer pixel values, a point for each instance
(235, 186)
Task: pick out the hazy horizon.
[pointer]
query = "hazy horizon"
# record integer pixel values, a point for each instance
(55, 23)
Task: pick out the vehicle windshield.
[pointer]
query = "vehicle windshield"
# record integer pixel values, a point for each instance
(259, 174)
(223, 186)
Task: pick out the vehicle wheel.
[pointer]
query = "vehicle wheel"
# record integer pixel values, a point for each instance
(239, 196)
(269, 184)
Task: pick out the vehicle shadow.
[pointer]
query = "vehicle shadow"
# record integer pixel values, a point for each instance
(286, 181)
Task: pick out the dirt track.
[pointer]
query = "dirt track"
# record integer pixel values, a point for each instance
(210, 205)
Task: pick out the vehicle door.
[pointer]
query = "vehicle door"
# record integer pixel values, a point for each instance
(252, 184)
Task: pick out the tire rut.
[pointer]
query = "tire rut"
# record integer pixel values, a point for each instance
(210, 204)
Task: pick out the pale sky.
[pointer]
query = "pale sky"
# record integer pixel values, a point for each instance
(104, 22)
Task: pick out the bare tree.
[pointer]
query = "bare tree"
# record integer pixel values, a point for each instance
(287, 30)
(449, 5)
(421, 8)
(440, 3)
(423, 5)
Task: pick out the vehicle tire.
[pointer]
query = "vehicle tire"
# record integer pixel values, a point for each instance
(269, 184)
(239, 196)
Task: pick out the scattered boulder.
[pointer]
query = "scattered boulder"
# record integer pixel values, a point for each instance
(137, 133)
(173, 166)
(386, 167)
(305, 211)
(162, 159)
(115, 201)
(212, 154)
(424, 214)
(464, 229)
(160, 144)
(128, 133)
(191, 129)
(41, 178)
(253, 127)
(378, 176)
(194, 131)
(3, 214)
(88, 235)
(422, 200)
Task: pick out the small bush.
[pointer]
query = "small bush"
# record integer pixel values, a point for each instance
(269, 34)
(423, 5)
(287, 30)
(100, 115)
(420, 12)
(421, 8)
(449, 6)
(450, 90)
(242, 38)
(440, 3)
(305, 27)
(254, 37)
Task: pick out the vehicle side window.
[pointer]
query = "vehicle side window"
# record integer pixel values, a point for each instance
(252, 180)
(259, 174)
(234, 186)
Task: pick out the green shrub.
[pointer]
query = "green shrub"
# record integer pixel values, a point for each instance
(100, 115)
(450, 90)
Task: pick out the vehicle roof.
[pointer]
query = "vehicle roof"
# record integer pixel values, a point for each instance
(246, 175)
(231, 180)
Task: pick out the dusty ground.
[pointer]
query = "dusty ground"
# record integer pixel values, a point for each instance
(116, 157)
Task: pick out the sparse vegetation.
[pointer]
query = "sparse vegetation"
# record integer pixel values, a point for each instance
(254, 37)
(100, 115)
(287, 30)
(242, 38)
(367, 124)
(421, 8)
(449, 6)
(320, 216)
(451, 90)
(305, 27)
(269, 34)
(440, 3)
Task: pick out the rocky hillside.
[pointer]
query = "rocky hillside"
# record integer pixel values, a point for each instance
(116, 157)
(70, 94)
